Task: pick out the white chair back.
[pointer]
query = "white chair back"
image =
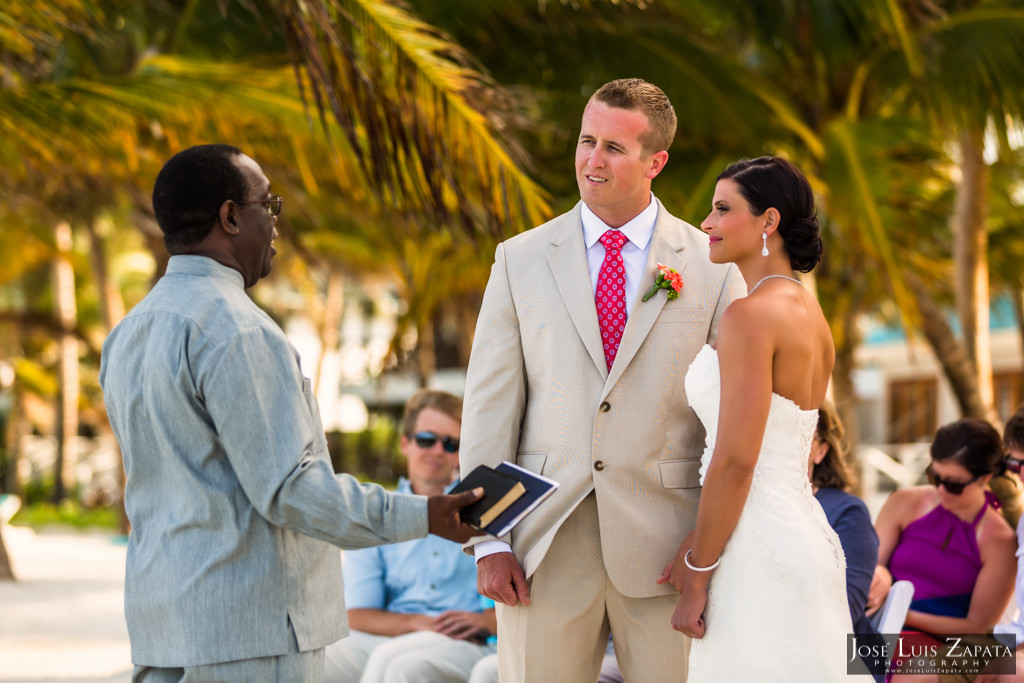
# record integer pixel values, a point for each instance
(890, 618)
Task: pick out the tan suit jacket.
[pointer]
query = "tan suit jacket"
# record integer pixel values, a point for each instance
(538, 393)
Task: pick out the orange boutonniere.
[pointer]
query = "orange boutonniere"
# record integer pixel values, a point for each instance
(667, 278)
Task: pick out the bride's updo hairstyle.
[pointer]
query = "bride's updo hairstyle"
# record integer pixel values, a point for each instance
(771, 182)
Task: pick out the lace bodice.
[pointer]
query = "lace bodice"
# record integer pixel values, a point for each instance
(788, 433)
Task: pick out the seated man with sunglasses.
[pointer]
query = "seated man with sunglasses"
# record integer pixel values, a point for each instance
(1013, 442)
(413, 607)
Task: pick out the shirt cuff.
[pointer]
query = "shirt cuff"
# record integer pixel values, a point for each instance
(485, 548)
(1016, 628)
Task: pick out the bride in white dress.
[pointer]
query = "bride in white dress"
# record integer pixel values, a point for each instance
(762, 577)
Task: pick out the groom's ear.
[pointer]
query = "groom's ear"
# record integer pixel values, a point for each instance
(656, 164)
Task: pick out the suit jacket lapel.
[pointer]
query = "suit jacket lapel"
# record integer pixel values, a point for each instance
(666, 247)
(568, 262)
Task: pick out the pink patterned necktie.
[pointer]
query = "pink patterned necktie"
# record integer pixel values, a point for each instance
(611, 294)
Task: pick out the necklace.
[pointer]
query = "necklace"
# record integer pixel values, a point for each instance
(769, 277)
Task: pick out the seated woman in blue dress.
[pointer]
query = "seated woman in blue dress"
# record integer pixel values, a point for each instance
(831, 480)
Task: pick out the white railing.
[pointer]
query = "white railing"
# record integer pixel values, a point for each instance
(887, 467)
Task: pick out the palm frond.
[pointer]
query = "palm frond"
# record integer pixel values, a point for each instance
(976, 65)
(419, 116)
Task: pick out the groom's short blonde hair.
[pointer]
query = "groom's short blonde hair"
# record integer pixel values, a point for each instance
(636, 94)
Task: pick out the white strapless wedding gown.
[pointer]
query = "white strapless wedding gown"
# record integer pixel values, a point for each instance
(777, 608)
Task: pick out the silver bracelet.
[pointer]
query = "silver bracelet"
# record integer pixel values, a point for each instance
(686, 559)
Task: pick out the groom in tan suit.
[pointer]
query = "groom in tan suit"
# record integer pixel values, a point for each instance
(609, 421)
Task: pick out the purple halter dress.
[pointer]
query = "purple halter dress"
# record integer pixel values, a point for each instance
(939, 554)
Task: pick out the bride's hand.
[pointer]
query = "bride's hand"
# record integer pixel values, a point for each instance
(676, 569)
(689, 615)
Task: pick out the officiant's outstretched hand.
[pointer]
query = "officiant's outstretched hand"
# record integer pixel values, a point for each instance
(443, 515)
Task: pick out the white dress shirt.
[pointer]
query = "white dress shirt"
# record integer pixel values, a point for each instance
(639, 231)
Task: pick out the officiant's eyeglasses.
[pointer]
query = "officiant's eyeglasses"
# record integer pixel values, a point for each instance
(951, 485)
(273, 204)
(428, 439)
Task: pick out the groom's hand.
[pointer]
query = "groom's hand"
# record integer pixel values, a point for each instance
(443, 515)
(501, 578)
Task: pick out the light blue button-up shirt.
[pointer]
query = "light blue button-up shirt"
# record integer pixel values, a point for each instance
(229, 481)
(426, 576)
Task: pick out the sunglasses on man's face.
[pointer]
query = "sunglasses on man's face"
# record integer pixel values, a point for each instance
(951, 485)
(428, 439)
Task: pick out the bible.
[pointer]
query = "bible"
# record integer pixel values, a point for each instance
(500, 491)
(535, 489)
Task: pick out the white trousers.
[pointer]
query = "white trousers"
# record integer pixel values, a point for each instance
(420, 657)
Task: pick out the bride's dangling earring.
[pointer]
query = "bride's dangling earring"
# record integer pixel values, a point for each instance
(764, 239)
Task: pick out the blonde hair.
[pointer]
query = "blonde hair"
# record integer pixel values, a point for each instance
(441, 401)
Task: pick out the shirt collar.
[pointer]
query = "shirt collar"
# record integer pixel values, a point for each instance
(638, 230)
(193, 264)
(405, 486)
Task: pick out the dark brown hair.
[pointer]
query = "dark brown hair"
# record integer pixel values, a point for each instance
(971, 443)
(832, 472)
(773, 182)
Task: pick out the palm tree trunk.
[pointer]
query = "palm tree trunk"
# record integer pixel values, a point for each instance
(426, 352)
(112, 306)
(843, 314)
(469, 309)
(111, 302)
(951, 353)
(970, 256)
(67, 395)
(6, 572)
(15, 429)
(330, 328)
(1018, 307)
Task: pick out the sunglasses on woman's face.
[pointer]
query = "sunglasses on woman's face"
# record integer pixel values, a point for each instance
(951, 485)
(428, 439)
(1012, 463)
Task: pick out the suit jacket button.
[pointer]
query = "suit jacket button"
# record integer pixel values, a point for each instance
(605, 407)
(598, 465)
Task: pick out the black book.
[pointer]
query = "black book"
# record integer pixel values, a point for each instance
(500, 490)
(537, 487)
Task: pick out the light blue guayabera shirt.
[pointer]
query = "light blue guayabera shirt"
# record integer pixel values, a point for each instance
(425, 576)
(229, 481)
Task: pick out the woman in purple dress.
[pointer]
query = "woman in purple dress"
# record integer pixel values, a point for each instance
(948, 538)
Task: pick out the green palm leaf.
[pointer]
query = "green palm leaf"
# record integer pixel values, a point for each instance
(418, 115)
